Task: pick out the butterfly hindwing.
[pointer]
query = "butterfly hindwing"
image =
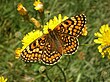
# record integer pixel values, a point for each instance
(52, 51)
(69, 43)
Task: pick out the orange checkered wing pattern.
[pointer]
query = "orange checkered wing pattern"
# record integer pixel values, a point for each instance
(72, 26)
(70, 44)
(69, 31)
(43, 50)
(33, 52)
(63, 39)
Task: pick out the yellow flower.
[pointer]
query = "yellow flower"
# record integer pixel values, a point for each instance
(21, 9)
(84, 31)
(103, 40)
(30, 37)
(53, 23)
(2, 79)
(18, 52)
(38, 6)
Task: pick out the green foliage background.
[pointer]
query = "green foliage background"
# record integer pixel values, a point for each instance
(86, 65)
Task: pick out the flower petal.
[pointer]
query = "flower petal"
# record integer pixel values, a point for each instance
(103, 40)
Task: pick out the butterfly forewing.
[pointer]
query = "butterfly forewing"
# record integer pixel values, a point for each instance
(72, 26)
(33, 53)
(50, 54)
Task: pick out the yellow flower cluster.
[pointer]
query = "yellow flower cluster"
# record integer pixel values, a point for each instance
(104, 40)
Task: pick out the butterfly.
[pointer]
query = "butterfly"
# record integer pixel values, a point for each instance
(63, 39)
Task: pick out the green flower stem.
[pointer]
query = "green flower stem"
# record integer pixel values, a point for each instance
(62, 72)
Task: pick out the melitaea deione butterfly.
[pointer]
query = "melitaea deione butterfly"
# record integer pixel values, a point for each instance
(63, 39)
